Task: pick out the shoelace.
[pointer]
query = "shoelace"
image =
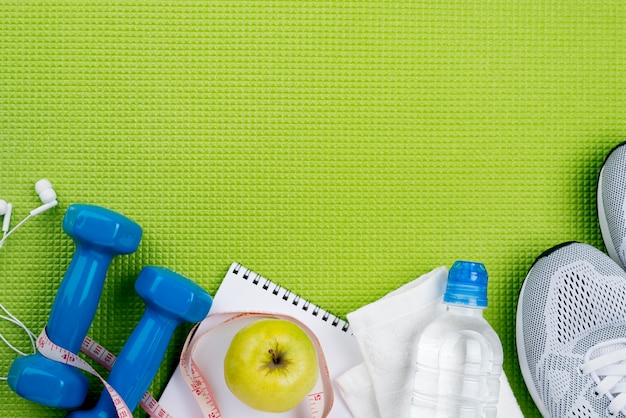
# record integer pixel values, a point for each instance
(609, 372)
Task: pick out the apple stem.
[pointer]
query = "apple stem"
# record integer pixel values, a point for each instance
(275, 356)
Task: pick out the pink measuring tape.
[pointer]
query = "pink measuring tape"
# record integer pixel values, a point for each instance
(319, 403)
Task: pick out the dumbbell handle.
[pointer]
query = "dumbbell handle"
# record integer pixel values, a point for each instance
(78, 297)
(141, 356)
(137, 363)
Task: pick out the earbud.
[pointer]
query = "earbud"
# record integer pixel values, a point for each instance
(47, 195)
(5, 210)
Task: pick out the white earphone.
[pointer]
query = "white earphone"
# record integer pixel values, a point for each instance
(48, 197)
(5, 209)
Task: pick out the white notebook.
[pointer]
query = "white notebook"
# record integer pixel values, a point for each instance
(245, 291)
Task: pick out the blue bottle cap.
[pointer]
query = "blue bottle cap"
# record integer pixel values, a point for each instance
(467, 284)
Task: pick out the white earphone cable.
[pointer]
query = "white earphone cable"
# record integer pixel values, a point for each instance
(31, 336)
(7, 234)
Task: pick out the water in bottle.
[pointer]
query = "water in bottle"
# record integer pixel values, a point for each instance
(459, 355)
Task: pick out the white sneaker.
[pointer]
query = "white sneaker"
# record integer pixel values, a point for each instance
(571, 333)
(611, 201)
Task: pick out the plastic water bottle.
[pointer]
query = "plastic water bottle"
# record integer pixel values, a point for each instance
(459, 355)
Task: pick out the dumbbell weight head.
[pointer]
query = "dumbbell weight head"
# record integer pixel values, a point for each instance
(172, 294)
(95, 226)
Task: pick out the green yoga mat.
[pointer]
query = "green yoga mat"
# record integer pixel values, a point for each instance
(340, 149)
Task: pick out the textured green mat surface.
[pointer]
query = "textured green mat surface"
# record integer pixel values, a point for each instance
(340, 149)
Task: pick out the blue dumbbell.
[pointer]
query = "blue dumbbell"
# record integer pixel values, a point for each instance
(171, 299)
(99, 235)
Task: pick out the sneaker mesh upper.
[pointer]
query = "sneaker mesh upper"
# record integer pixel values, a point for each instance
(573, 299)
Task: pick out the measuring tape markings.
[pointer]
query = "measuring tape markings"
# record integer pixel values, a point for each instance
(198, 384)
(98, 353)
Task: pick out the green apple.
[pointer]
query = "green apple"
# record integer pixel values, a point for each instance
(271, 365)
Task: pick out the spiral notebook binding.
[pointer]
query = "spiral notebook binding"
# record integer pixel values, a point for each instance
(290, 297)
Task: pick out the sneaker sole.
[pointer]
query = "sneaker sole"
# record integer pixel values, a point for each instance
(604, 227)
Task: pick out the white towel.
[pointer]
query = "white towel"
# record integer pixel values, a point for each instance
(386, 331)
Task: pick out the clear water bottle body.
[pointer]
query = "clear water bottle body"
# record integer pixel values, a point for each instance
(458, 366)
